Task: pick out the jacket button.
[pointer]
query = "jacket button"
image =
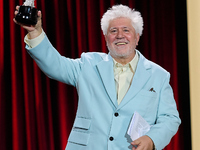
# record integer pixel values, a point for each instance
(111, 138)
(116, 114)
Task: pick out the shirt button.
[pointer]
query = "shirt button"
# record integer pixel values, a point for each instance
(116, 114)
(111, 138)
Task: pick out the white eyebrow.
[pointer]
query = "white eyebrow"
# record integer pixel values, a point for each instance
(113, 28)
(116, 28)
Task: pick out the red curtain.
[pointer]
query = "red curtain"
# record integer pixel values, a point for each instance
(37, 113)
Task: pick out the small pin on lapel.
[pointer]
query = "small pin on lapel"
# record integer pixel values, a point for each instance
(152, 90)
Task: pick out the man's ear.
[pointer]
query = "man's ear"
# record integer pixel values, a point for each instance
(137, 38)
(105, 37)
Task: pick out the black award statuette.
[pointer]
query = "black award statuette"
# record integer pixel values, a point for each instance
(27, 13)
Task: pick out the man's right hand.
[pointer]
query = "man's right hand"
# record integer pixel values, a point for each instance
(33, 30)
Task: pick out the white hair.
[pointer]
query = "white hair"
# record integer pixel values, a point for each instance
(122, 11)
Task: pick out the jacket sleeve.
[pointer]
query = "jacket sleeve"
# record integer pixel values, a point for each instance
(168, 120)
(53, 64)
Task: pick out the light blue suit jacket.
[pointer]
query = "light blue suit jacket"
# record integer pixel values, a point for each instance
(101, 124)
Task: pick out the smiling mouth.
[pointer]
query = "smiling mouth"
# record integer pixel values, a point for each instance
(121, 43)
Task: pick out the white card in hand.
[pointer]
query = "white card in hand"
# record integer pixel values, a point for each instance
(138, 126)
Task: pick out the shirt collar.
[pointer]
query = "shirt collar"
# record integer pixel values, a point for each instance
(132, 64)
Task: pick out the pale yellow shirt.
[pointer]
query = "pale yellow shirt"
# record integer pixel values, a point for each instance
(34, 42)
(123, 76)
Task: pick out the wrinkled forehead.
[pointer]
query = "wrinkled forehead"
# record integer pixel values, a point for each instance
(121, 22)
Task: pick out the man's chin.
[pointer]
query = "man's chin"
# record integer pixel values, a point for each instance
(119, 55)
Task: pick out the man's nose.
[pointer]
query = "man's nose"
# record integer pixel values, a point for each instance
(120, 34)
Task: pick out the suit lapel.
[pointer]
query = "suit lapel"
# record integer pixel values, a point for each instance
(140, 78)
(105, 68)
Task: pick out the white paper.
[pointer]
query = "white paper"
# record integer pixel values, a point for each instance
(138, 126)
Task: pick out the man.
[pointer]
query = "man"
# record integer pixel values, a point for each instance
(111, 87)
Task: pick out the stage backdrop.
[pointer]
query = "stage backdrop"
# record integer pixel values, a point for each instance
(37, 113)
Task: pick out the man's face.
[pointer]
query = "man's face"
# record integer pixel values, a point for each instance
(121, 38)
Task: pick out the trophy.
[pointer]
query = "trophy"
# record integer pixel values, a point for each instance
(27, 13)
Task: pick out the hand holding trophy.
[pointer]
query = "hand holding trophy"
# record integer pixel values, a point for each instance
(27, 13)
(29, 18)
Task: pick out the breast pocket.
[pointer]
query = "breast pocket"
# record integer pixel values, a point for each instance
(149, 94)
(146, 102)
(80, 132)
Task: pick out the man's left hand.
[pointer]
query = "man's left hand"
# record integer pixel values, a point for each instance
(143, 143)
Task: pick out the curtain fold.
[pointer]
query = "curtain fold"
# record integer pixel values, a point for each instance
(37, 113)
(2, 91)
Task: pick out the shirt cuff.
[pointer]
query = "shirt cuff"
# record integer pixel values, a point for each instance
(34, 42)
